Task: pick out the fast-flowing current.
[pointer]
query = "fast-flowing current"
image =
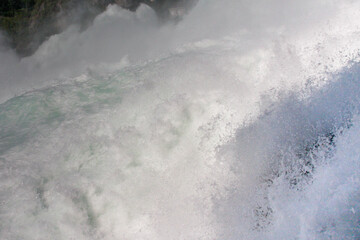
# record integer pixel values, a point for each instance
(239, 122)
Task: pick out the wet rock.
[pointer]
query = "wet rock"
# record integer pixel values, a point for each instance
(28, 23)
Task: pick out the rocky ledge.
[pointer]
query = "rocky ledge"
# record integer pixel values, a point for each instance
(28, 23)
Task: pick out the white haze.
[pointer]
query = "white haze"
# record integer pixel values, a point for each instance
(239, 122)
(118, 36)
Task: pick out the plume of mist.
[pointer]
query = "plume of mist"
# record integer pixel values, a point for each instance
(196, 128)
(118, 36)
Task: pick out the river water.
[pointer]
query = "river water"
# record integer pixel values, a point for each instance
(239, 122)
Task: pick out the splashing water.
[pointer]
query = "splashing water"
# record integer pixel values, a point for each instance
(241, 122)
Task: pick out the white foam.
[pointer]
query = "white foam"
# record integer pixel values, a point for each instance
(194, 131)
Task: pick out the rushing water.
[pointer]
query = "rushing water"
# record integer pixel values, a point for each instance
(240, 122)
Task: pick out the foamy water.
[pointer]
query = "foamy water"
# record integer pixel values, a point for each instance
(240, 122)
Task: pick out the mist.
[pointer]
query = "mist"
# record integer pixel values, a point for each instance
(119, 37)
(238, 122)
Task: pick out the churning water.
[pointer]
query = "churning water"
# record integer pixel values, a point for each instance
(240, 122)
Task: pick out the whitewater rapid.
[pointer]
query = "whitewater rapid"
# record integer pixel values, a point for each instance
(240, 122)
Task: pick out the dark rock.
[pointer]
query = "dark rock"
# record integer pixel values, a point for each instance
(28, 23)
